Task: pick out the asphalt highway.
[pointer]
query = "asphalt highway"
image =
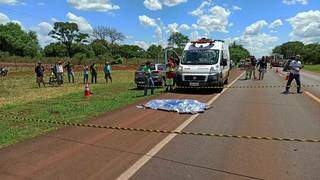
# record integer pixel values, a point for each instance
(87, 153)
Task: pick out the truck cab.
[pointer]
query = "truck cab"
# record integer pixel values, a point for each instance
(204, 63)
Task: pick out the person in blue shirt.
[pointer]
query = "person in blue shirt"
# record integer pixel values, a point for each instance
(107, 72)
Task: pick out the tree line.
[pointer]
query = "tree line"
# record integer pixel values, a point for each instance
(103, 44)
(310, 53)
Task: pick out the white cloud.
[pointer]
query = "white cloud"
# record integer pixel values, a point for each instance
(4, 19)
(155, 5)
(147, 21)
(94, 5)
(10, 2)
(255, 28)
(43, 30)
(259, 45)
(150, 22)
(82, 23)
(292, 2)
(144, 45)
(231, 24)
(172, 28)
(215, 20)
(200, 10)
(184, 27)
(275, 24)
(54, 20)
(210, 18)
(171, 3)
(236, 8)
(152, 4)
(306, 26)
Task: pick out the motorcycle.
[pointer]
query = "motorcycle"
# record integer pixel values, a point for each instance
(3, 72)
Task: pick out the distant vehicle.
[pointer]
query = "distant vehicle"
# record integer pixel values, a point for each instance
(277, 60)
(158, 74)
(204, 62)
(242, 64)
(3, 71)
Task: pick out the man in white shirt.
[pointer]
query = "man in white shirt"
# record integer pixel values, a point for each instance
(294, 67)
(59, 69)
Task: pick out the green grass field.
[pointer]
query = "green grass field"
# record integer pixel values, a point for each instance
(312, 68)
(20, 96)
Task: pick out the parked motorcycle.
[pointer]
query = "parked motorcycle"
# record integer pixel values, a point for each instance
(3, 72)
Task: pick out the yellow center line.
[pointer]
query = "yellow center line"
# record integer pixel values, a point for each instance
(312, 96)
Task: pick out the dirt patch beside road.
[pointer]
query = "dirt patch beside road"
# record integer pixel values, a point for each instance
(77, 67)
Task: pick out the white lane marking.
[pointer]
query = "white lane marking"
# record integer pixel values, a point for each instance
(312, 96)
(145, 158)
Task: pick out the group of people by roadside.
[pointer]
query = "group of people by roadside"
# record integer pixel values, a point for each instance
(57, 73)
(292, 67)
(252, 65)
(169, 79)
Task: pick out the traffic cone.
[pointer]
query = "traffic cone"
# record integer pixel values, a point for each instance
(87, 92)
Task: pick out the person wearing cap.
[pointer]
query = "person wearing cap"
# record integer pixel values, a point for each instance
(107, 72)
(39, 70)
(70, 72)
(148, 79)
(59, 69)
(294, 68)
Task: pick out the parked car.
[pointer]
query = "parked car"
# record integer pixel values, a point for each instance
(158, 74)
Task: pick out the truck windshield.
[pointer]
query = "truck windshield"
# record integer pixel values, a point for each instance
(207, 57)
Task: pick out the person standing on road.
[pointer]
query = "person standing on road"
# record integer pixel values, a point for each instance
(70, 72)
(39, 70)
(294, 67)
(247, 66)
(94, 73)
(148, 79)
(107, 72)
(262, 67)
(253, 67)
(85, 74)
(59, 69)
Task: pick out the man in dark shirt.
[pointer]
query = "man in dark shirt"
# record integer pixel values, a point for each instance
(253, 67)
(70, 72)
(262, 67)
(39, 70)
(94, 73)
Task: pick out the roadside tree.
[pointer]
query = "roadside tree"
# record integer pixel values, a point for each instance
(68, 33)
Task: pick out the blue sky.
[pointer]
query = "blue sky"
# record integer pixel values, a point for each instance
(257, 24)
